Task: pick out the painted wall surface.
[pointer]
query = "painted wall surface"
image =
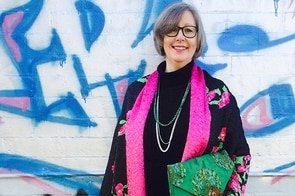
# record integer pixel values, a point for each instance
(65, 66)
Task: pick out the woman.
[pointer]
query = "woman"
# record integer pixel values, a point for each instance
(174, 114)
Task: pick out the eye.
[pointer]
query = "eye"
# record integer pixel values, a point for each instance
(174, 29)
(189, 30)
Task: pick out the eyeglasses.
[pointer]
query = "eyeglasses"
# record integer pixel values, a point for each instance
(187, 31)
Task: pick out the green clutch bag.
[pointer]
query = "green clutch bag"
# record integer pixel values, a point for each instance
(206, 175)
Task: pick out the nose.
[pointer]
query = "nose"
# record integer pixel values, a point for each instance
(180, 35)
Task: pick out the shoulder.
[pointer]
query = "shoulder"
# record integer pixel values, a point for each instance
(218, 92)
(133, 91)
(136, 86)
(212, 82)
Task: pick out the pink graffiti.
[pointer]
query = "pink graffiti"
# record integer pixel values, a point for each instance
(19, 102)
(36, 182)
(278, 178)
(8, 26)
(44, 185)
(121, 88)
(291, 2)
(264, 120)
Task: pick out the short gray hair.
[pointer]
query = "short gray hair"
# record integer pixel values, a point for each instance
(171, 16)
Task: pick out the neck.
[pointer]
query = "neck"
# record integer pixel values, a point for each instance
(172, 66)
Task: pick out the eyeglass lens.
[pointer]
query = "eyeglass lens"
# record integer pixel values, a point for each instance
(187, 31)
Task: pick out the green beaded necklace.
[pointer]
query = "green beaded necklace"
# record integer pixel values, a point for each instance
(156, 103)
(160, 140)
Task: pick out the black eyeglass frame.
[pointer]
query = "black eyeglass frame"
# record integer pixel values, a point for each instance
(183, 32)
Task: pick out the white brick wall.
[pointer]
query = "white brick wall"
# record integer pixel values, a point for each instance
(32, 150)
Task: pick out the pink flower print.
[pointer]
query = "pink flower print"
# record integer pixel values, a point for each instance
(113, 168)
(247, 158)
(211, 95)
(234, 183)
(222, 134)
(243, 189)
(242, 168)
(122, 129)
(119, 189)
(224, 99)
(215, 149)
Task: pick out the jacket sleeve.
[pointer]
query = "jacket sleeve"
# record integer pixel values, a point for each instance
(226, 116)
(238, 149)
(115, 174)
(107, 182)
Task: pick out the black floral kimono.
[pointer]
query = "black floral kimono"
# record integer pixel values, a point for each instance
(214, 125)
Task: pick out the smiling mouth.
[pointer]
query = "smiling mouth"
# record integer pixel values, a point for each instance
(179, 47)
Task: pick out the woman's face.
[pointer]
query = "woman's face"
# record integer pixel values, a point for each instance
(179, 50)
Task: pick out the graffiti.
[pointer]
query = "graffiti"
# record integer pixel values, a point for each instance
(14, 25)
(42, 174)
(272, 108)
(276, 6)
(283, 169)
(152, 9)
(117, 86)
(291, 3)
(121, 86)
(211, 68)
(281, 105)
(92, 21)
(29, 102)
(248, 38)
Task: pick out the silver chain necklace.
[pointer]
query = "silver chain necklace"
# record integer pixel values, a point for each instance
(175, 119)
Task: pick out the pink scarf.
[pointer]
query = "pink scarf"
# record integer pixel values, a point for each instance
(198, 133)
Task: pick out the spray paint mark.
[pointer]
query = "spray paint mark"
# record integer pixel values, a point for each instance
(92, 21)
(279, 115)
(41, 173)
(153, 8)
(248, 38)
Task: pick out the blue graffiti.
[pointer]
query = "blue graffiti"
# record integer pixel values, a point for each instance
(152, 9)
(26, 61)
(276, 6)
(281, 167)
(282, 107)
(211, 69)
(50, 172)
(81, 76)
(248, 38)
(111, 84)
(92, 21)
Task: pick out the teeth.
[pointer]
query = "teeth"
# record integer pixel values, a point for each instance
(179, 47)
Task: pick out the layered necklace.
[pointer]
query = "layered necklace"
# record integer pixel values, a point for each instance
(174, 120)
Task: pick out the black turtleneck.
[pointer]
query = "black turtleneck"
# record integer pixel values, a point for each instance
(172, 88)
